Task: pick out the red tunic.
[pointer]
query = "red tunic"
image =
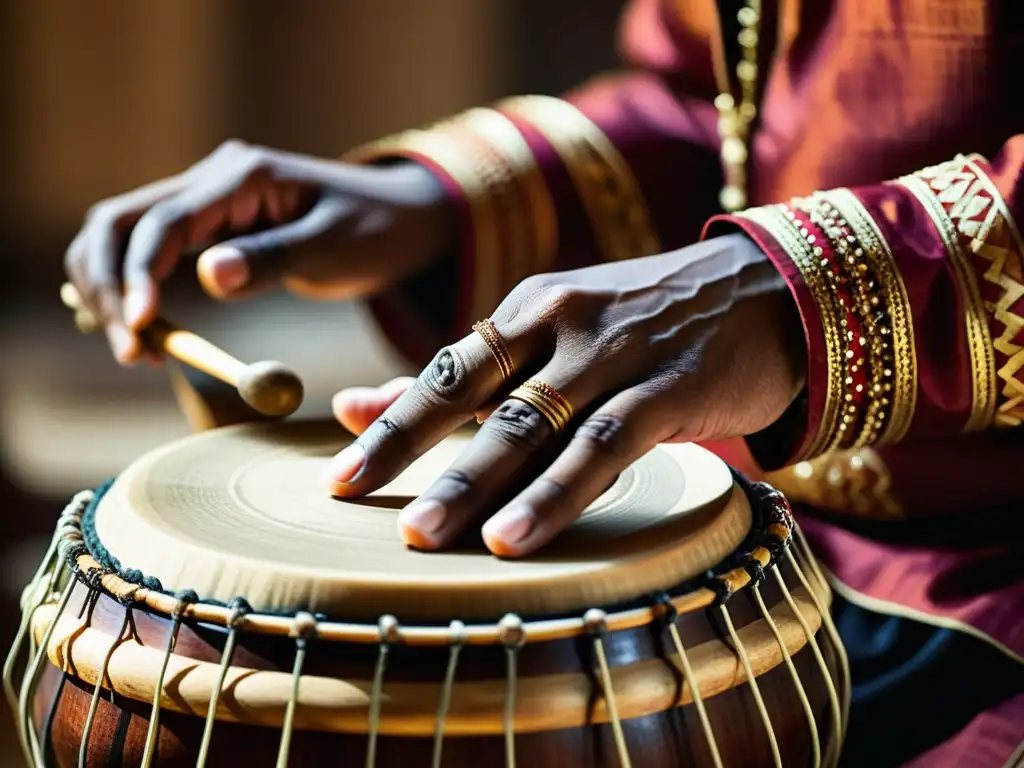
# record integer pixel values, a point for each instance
(892, 108)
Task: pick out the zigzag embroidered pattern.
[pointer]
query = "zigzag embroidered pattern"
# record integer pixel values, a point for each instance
(974, 206)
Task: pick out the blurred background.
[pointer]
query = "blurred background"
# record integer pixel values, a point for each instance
(103, 96)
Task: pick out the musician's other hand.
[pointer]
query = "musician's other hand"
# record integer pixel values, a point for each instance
(700, 344)
(324, 228)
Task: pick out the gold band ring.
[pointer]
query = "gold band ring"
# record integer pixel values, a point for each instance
(486, 330)
(547, 400)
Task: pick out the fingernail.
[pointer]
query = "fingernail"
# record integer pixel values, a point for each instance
(346, 464)
(226, 267)
(123, 343)
(510, 527)
(425, 516)
(135, 308)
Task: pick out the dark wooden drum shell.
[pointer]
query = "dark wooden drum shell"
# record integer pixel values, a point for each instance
(574, 657)
(673, 737)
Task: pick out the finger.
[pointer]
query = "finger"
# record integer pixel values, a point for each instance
(257, 261)
(102, 294)
(125, 345)
(357, 407)
(511, 446)
(616, 435)
(460, 379)
(244, 207)
(165, 230)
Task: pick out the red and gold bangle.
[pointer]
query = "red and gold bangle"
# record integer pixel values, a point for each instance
(855, 376)
(870, 305)
(881, 302)
(812, 257)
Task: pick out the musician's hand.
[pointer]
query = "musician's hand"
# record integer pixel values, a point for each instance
(323, 228)
(700, 344)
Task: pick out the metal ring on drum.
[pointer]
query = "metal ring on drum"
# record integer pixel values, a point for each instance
(238, 616)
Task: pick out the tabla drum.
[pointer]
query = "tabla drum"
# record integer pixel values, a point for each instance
(214, 607)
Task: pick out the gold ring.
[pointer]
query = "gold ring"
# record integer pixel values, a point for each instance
(547, 400)
(486, 330)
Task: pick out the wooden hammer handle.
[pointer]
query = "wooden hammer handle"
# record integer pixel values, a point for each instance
(164, 337)
(271, 388)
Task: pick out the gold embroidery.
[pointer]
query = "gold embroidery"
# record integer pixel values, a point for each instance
(1003, 247)
(812, 225)
(974, 211)
(502, 134)
(857, 482)
(604, 181)
(787, 234)
(979, 339)
(903, 359)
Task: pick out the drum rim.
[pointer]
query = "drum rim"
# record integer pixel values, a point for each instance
(771, 534)
(712, 520)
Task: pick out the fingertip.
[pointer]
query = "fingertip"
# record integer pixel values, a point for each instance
(350, 409)
(421, 524)
(125, 345)
(356, 408)
(498, 546)
(141, 305)
(415, 538)
(222, 270)
(507, 533)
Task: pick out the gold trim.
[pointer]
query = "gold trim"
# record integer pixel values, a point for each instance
(502, 134)
(877, 605)
(1011, 412)
(773, 219)
(609, 191)
(845, 482)
(979, 338)
(883, 267)
(1017, 758)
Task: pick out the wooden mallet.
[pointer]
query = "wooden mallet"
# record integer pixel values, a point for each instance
(269, 387)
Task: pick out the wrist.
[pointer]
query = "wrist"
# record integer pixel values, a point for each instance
(426, 214)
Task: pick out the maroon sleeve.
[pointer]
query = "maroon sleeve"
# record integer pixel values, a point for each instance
(545, 184)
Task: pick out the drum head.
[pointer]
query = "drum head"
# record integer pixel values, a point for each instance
(244, 511)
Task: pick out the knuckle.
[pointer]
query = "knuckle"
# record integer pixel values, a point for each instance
(161, 216)
(454, 479)
(534, 284)
(554, 490)
(100, 210)
(445, 381)
(386, 433)
(230, 147)
(519, 425)
(608, 434)
(104, 215)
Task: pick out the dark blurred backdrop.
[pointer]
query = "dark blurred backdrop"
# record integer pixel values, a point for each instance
(102, 96)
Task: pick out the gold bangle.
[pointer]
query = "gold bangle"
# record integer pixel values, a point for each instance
(486, 330)
(546, 399)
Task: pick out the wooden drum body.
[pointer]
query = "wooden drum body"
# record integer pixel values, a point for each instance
(680, 622)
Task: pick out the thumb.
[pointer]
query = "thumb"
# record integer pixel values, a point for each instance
(358, 407)
(249, 263)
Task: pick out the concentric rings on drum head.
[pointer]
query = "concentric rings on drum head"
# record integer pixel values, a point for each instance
(243, 511)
